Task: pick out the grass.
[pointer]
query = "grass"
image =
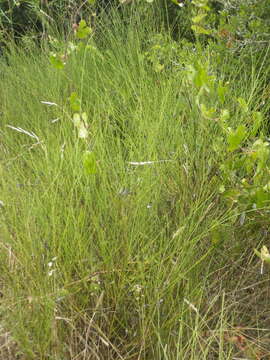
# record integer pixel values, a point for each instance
(123, 263)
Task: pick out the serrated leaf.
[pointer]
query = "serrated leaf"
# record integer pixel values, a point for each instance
(89, 162)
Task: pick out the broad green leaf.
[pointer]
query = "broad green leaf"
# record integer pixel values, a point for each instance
(222, 90)
(56, 61)
(158, 67)
(82, 24)
(83, 30)
(89, 162)
(200, 30)
(83, 33)
(261, 198)
(207, 113)
(203, 4)
(75, 102)
(267, 187)
(235, 138)
(197, 19)
(197, 75)
(243, 104)
(225, 115)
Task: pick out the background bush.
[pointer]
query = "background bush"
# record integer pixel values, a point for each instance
(231, 19)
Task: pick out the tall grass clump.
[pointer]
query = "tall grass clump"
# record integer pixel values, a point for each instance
(127, 232)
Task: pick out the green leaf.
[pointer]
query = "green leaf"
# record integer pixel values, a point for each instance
(236, 137)
(222, 90)
(158, 67)
(75, 102)
(197, 19)
(224, 116)
(198, 75)
(89, 163)
(257, 122)
(203, 4)
(200, 30)
(207, 113)
(243, 104)
(263, 254)
(261, 198)
(56, 61)
(83, 30)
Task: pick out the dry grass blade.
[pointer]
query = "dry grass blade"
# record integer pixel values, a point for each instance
(20, 130)
(142, 163)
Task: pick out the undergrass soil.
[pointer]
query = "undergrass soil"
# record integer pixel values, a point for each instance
(123, 263)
